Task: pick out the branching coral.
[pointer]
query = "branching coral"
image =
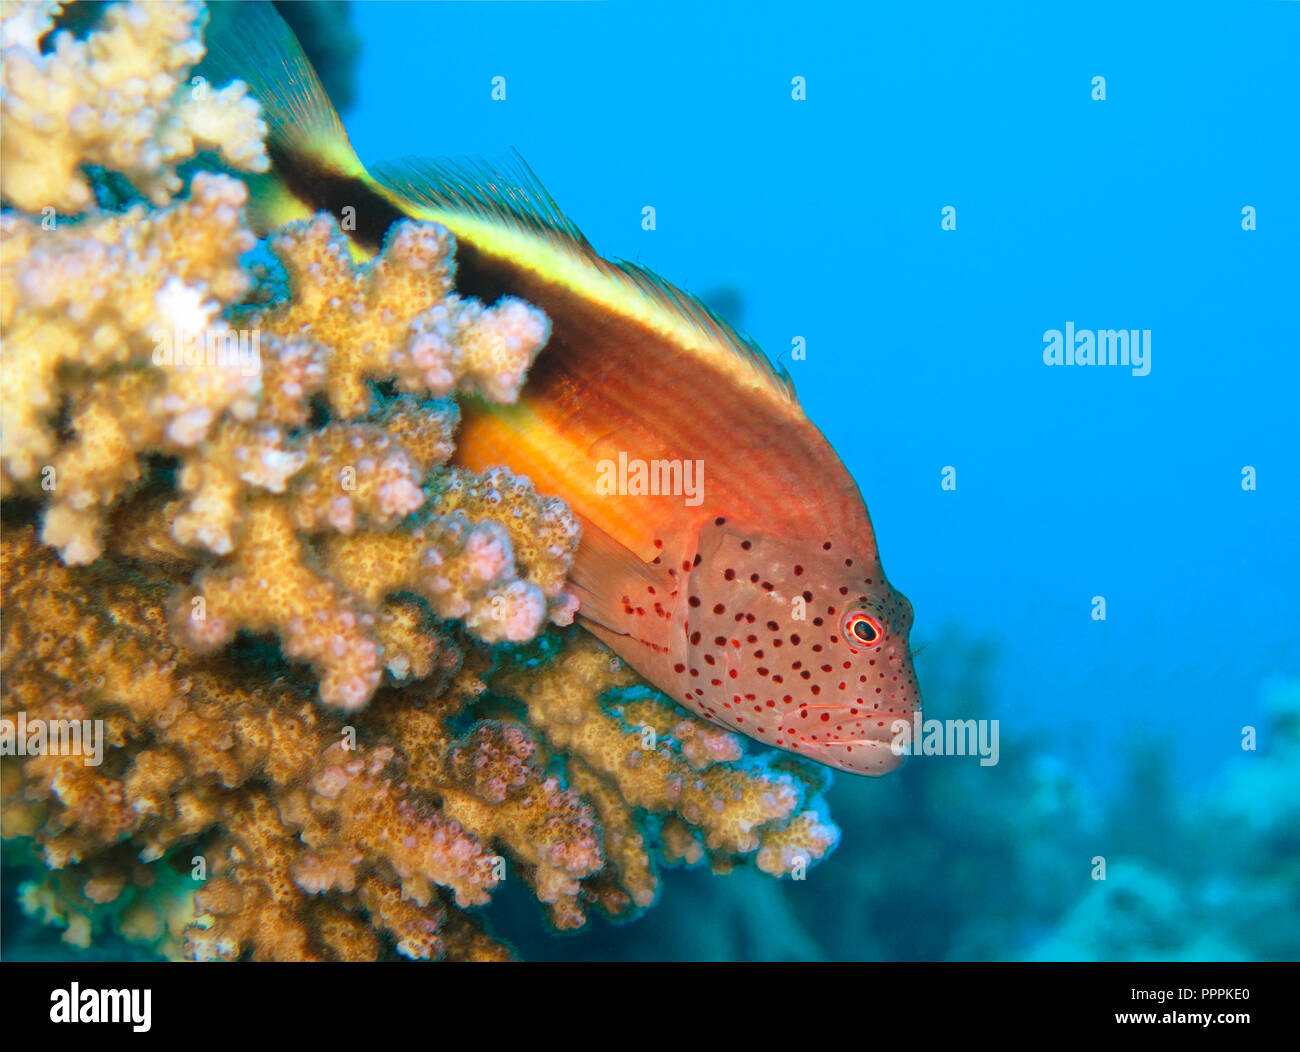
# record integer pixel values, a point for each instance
(122, 98)
(229, 500)
(83, 307)
(195, 749)
(629, 750)
(310, 829)
(397, 318)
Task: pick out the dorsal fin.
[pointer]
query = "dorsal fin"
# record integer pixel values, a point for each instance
(505, 192)
(508, 195)
(251, 42)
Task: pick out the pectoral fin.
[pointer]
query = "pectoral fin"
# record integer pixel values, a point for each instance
(613, 583)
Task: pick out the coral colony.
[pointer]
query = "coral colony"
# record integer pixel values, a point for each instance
(233, 543)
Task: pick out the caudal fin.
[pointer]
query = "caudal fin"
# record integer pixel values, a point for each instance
(306, 141)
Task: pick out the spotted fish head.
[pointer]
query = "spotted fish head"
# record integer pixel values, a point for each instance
(801, 644)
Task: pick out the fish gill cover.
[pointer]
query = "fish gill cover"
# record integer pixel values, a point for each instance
(236, 554)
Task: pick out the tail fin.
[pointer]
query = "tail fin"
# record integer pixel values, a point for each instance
(249, 41)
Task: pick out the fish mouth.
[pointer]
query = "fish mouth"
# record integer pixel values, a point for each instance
(865, 756)
(858, 746)
(873, 742)
(798, 726)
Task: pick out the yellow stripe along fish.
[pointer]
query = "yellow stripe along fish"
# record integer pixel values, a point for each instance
(757, 602)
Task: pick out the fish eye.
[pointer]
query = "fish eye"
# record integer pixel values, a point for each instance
(862, 628)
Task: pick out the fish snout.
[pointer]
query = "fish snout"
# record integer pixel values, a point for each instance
(848, 738)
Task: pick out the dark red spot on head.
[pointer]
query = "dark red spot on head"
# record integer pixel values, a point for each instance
(826, 547)
(694, 600)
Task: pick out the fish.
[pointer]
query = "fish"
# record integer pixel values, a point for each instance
(757, 601)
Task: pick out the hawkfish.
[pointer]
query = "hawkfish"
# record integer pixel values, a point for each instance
(727, 554)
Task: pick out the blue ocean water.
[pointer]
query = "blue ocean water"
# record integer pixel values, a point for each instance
(822, 218)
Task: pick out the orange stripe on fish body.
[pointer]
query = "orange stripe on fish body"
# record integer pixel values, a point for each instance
(757, 600)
